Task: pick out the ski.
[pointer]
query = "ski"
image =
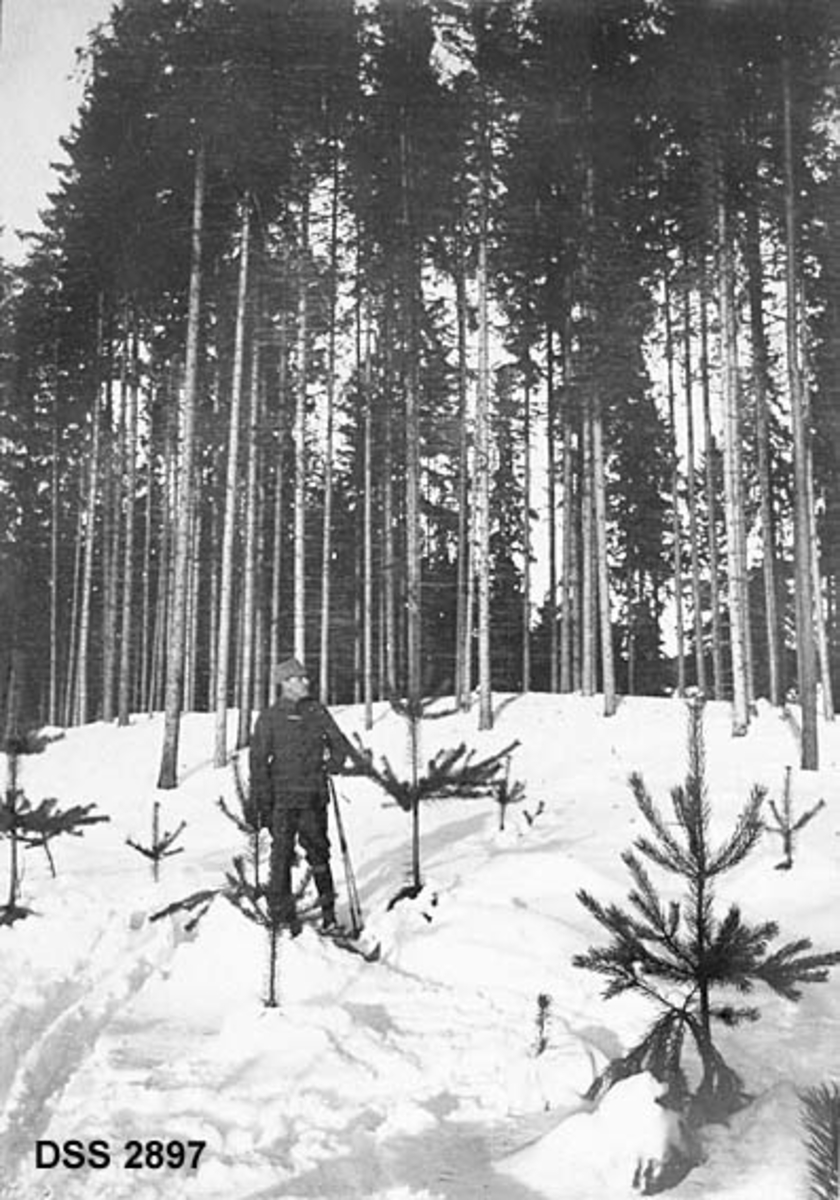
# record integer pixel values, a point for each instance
(355, 944)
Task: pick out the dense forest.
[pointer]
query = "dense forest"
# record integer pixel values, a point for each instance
(451, 345)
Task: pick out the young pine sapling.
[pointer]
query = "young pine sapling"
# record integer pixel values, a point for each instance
(26, 826)
(450, 773)
(786, 827)
(680, 954)
(162, 843)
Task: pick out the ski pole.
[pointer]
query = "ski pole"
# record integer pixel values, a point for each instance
(356, 920)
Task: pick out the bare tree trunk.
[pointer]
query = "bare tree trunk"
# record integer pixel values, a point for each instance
(249, 590)
(675, 497)
(526, 542)
(226, 582)
(482, 454)
(709, 451)
(168, 777)
(463, 551)
(300, 442)
(599, 487)
(69, 699)
(80, 715)
(124, 689)
(329, 450)
(279, 483)
(567, 628)
(390, 581)
(802, 544)
(551, 501)
(588, 598)
(113, 477)
(691, 473)
(367, 551)
(54, 539)
(761, 371)
(735, 542)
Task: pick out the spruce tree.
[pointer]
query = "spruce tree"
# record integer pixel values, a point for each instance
(452, 772)
(680, 954)
(26, 825)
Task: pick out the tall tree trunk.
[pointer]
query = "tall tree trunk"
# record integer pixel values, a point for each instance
(80, 715)
(54, 541)
(526, 538)
(124, 688)
(329, 449)
(568, 631)
(113, 477)
(482, 454)
(588, 575)
(691, 474)
(226, 583)
(300, 441)
(675, 496)
(367, 535)
(761, 374)
(70, 683)
(551, 503)
(249, 588)
(709, 452)
(802, 545)
(600, 498)
(279, 484)
(168, 777)
(733, 492)
(463, 552)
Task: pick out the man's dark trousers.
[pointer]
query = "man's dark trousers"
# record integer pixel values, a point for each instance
(304, 820)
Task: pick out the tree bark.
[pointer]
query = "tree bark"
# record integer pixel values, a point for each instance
(761, 374)
(802, 545)
(551, 504)
(329, 450)
(226, 583)
(691, 474)
(733, 487)
(300, 442)
(599, 487)
(709, 452)
(168, 777)
(80, 715)
(249, 588)
(124, 688)
(675, 496)
(482, 454)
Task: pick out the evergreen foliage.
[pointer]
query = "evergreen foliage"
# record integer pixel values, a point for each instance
(451, 773)
(26, 825)
(786, 825)
(161, 845)
(821, 1120)
(680, 954)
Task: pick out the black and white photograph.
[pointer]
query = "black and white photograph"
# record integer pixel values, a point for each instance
(419, 599)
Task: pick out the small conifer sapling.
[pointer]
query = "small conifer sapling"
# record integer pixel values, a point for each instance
(162, 844)
(786, 826)
(681, 954)
(27, 826)
(450, 773)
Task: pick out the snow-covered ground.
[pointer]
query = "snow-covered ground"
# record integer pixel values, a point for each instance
(417, 1077)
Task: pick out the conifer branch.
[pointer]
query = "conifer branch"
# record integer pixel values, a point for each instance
(821, 1120)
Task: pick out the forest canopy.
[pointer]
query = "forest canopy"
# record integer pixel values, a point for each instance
(451, 345)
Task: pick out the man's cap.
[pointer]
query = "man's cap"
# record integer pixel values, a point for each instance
(290, 668)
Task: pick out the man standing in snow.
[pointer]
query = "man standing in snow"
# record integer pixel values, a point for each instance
(294, 744)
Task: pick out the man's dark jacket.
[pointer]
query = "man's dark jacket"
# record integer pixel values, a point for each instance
(292, 746)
